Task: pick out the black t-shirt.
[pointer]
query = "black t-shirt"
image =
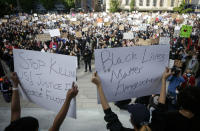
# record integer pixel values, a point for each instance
(113, 123)
(173, 121)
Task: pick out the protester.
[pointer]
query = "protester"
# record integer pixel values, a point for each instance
(186, 118)
(87, 58)
(175, 80)
(139, 113)
(189, 79)
(79, 35)
(31, 123)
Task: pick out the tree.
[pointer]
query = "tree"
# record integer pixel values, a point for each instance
(132, 5)
(48, 4)
(182, 8)
(114, 6)
(6, 7)
(69, 4)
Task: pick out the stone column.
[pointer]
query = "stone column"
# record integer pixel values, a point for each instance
(107, 5)
(151, 3)
(144, 3)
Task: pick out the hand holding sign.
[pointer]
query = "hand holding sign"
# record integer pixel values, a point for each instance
(123, 71)
(72, 92)
(186, 31)
(45, 78)
(15, 79)
(96, 80)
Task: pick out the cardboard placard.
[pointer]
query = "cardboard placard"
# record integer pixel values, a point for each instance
(121, 27)
(123, 71)
(99, 20)
(128, 36)
(85, 29)
(43, 37)
(77, 23)
(106, 23)
(78, 34)
(186, 31)
(4, 20)
(41, 80)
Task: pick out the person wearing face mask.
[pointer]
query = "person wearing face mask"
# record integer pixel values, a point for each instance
(193, 64)
(189, 79)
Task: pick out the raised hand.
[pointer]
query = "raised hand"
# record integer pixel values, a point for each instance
(15, 79)
(166, 74)
(95, 79)
(73, 91)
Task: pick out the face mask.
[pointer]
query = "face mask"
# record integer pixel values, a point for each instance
(193, 58)
(188, 75)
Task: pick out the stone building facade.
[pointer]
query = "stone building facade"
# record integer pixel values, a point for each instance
(148, 5)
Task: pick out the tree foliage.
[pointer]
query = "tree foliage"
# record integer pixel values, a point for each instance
(69, 4)
(181, 9)
(132, 5)
(6, 7)
(114, 6)
(26, 5)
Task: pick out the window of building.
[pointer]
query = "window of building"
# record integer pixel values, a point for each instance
(127, 2)
(161, 3)
(148, 3)
(141, 3)
(172, 3)
(154, 2)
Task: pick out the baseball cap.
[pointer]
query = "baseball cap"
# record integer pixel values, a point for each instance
(139, 113)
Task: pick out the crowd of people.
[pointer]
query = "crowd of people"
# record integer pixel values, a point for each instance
(81, 34)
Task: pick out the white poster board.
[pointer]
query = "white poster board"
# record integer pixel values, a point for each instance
(164, 41)
(54, 32)
(176, 33)
(46, 78)
(128, 36)
(131, 71)
(143, 28)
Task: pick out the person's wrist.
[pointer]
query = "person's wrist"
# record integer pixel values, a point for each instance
(15, 85)
(69, 98)
(98, 85)
(164, 79)
(14, 89)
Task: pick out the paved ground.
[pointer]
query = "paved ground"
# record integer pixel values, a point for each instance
(90, 114)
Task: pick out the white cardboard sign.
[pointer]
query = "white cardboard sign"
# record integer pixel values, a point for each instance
(128, 36)
(46, 78)
(130, 72)
(54, 32)
(164, 40)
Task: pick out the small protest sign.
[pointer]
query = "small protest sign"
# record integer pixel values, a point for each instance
(54, 32)
(85, 29)
(186, 31)
(128, 36)
(78, 34)
(4, 20)
(106, 23)
(43, 37)
(121, 27)
(164, 40)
